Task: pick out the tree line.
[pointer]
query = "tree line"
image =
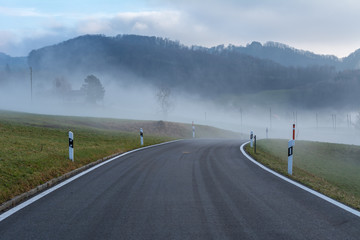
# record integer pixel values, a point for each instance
(167, 63)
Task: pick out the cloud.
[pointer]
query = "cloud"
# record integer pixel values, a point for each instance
(138, 26)
(6, 38)
(24, 12)
(319, 26)
(160, 23)
(173, 24)
(19, 12)
(94, 26)
(17, 43)
(300, 23)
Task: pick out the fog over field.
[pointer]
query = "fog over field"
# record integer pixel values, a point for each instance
(134, 99)
(239, 88)
(238, 65)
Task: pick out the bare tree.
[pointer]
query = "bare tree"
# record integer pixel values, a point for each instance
(357, 123)
(163, 95)
(61, 86)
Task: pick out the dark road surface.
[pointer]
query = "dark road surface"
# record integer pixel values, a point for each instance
(191, 189)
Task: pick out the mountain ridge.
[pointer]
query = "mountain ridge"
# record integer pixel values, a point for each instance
(275, 51)
(284, 54)
(220, 74)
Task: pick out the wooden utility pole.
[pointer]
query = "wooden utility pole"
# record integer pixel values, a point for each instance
(270, 120)
(31, 83)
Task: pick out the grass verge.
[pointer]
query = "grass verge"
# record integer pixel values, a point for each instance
(34, 147)
(30, 156)
(332, 169)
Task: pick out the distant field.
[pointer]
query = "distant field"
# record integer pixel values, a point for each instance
(332, 169)
(158, 128)
(34, 148)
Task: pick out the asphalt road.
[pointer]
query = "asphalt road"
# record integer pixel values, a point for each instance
(193, 189)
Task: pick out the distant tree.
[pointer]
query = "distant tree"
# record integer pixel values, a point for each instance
(61, 86)
(163, 95)
(93, 89)
(7, 69)
(357, 123)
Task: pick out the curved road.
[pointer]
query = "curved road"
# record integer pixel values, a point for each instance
(191, 189)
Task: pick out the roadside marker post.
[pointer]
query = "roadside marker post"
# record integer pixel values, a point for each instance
(251, 138)
(255, 144)
(141, 136)
(193, 129)
(267, 133)
(71, 146)
(291, 145)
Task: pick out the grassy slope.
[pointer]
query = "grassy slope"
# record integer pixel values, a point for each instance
(279, 98)
(159, 128)
(30, 156)
(34, 148)
(332, 169)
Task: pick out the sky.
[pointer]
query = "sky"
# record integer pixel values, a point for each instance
(321, 26)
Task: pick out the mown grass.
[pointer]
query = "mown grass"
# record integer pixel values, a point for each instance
(332, 169)
(34, 147)
(33, 155)
(156, 128)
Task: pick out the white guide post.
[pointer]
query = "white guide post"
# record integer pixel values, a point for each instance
(71, 146)
(291, 145)
(193, 129)
(141, 136)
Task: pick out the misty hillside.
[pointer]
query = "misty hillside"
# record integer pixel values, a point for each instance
(273, 72)
(8, 63)
(277, 52)
(353, 60)
(162, 62)
(285, 55)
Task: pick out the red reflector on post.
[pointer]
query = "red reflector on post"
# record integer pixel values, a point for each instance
(293, 131)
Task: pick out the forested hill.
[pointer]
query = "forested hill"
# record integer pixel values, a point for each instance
(216, 73)
(8, 63)
(283, 54)
(222, 74)
(165, 62)
(276, 52)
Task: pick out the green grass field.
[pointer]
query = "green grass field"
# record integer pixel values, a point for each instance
(34, 148)
(332, 169)
(30, 156)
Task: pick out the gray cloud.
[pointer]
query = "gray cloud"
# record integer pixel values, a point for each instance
(314, 25)
(320, 26)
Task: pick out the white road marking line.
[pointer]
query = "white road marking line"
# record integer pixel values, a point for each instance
(330, 200)
(40, 195)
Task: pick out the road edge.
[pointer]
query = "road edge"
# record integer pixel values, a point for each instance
(309, 190)
(17, 203)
